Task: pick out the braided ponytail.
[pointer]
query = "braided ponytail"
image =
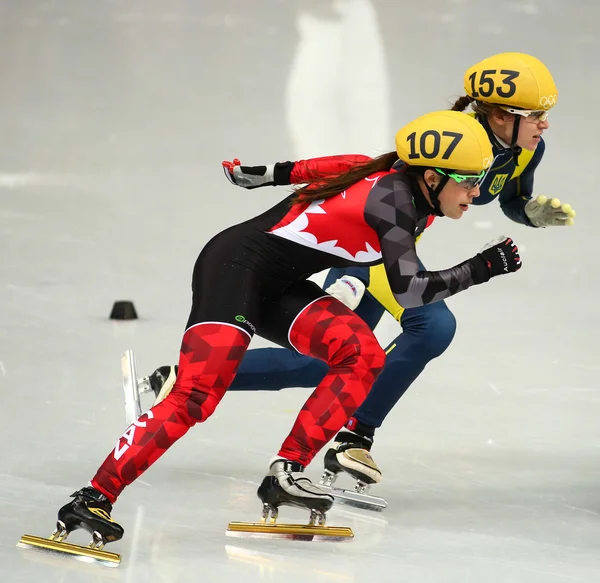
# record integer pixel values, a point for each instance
(462, 103)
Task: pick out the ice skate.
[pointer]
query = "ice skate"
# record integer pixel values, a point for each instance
(286, 485)
(89, 511)
(351, 454)
(160, 383)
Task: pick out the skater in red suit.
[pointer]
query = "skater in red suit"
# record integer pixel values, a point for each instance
(252, 278)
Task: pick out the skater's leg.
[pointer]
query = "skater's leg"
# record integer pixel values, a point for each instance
(324, 328)
(225, 311)
(210, 354)
(427, 332)
(328, 330)
(273, 369)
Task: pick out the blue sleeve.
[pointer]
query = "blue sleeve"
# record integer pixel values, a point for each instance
(518, 192)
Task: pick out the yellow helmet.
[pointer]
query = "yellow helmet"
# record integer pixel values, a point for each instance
(449, 140)
(512, 80)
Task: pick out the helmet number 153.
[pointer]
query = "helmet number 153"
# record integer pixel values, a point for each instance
(486, 85)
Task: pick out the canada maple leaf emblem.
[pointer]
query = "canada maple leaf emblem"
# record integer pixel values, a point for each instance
(333, 221)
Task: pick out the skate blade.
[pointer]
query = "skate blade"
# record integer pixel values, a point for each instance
(133, 408)
(304, 532)
(77, 552)
(355, 499)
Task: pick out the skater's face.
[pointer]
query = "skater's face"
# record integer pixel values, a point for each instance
(531, 127)
(458, 192)
(455, 198)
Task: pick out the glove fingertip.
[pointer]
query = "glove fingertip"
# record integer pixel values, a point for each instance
(565, 207)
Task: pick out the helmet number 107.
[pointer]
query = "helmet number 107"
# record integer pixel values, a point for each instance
(430, 148)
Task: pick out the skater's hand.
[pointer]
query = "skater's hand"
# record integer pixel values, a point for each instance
(545, 212)
(497, 257)
(348, 289)
(249, 176)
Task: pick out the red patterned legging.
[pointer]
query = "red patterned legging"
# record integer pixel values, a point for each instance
(209, 358)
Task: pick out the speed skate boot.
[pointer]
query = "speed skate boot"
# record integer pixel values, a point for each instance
(89, 510)
(162, 380)
(159, 384)
(351, 454)
(286, 485)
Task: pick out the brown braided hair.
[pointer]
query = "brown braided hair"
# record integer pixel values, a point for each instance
(462, 103)
(479, 107)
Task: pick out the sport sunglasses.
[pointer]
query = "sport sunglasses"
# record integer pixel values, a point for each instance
(467, 181)
(531, 114)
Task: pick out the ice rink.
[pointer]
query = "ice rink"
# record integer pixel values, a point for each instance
(115, 118)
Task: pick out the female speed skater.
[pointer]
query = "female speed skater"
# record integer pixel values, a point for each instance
(252, 278)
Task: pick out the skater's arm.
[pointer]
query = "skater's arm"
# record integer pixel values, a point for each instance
(287, 173)
(391, 212)
(518, 203)
(518, 191)
(304, 171)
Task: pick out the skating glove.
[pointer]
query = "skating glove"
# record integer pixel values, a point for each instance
(497, 257)
(256, 176)
(545, 212)
(348, 289)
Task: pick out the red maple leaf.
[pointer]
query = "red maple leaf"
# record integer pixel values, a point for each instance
(336, 224)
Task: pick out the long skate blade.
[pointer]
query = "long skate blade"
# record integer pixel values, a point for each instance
(82, 553)
(133, 408)
(304, 532)
(355, 499)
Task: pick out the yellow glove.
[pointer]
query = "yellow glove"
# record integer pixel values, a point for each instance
(545, 212)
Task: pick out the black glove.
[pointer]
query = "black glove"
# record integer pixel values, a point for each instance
(497, 257)
(256, 176)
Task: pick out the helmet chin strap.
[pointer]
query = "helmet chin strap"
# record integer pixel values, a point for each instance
(513, 142)
(516, 150)
(434, 193)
